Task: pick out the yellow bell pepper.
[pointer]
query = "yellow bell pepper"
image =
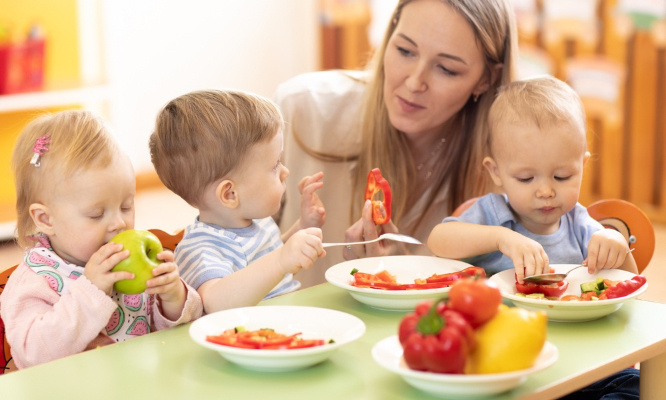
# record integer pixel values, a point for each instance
(511, 341)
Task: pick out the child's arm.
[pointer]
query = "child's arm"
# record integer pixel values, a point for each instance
(313, 214)
(251, 284)
(457, 239)
(168, 286)
(608, 249)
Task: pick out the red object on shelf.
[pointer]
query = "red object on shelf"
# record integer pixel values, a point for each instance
(22, 66)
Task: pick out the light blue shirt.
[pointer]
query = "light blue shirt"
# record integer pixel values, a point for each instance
(566, 246)
(209, 251)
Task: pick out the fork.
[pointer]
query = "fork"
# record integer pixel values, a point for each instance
(390, 236)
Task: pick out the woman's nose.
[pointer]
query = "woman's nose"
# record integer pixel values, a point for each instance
(416, 81)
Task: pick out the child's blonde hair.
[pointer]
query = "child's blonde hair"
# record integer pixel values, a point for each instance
(76, 140)
(543, 101)
(202, 136)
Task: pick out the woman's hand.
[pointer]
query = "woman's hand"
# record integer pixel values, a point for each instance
(366, 229)
(313, 214)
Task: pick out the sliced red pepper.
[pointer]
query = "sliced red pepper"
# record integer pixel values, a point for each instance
(625, 288)
(263, 339)
(469, 272)
(552, 290)
(376, 184)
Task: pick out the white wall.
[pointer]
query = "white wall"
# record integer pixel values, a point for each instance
(156, 50)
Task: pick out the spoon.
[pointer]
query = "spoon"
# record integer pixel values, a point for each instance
(546, 279)
(390, 236)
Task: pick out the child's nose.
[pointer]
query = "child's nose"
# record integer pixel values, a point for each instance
(545, 190)
(284, 173)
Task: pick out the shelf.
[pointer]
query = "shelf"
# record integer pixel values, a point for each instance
(53, 98)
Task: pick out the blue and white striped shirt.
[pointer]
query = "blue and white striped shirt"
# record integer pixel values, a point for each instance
(209, 251)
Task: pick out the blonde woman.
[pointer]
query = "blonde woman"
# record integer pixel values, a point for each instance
(417, 113)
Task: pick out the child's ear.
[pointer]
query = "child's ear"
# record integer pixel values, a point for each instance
(586, 157)
(490, 165)
(42, 218)
(227, 194)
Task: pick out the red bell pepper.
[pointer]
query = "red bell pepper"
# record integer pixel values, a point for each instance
(469, 272)
(376, 184)
(624, 288)
(552, 290)
(266, 339)
(436, 338)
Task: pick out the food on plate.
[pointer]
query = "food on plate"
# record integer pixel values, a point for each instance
(512, 340)
(381, 209)
(265, 338)
(471, 333)
(385, 281)
(436, 338)
(551, 291)
(603, 289)
(143, 247)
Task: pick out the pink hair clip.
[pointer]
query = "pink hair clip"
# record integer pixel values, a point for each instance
(39, 148)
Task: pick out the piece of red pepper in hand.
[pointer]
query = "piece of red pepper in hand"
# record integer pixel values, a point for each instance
(624, 288)
(376, 184)
(436, 338)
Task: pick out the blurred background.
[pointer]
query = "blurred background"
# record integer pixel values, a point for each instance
(126, 59)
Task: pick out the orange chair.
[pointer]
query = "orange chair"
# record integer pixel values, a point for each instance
(621, 215)
(631, 222)
(6, 363)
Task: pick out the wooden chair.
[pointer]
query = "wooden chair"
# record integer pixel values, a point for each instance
(6, 363)
(169, 241)
(621, 215)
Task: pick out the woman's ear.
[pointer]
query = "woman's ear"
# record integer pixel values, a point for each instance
(491, 166)
(226, 193)
(42, 218)
(488, 79)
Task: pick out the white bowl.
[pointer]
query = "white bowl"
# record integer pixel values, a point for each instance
(388, 354)
(405, 269)
(312, 322)
(568, 311)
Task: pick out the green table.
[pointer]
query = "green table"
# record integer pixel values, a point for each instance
(169, 365)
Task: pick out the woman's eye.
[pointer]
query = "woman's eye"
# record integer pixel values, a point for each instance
(403, 51)
(447, 71)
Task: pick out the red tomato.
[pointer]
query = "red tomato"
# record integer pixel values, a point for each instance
(476, 299)
(552, 290)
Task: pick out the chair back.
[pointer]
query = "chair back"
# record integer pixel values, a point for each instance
(169, 241)
(6, 363)
(631, 222)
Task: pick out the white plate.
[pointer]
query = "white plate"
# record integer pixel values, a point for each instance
(568, 310)
(388, 354)
(404, 268)
(312, 322)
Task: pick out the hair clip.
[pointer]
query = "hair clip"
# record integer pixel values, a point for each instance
(39, 148)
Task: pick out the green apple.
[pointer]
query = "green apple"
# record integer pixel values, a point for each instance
(143, 247)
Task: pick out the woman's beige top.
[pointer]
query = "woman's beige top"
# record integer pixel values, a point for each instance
(323, 109)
